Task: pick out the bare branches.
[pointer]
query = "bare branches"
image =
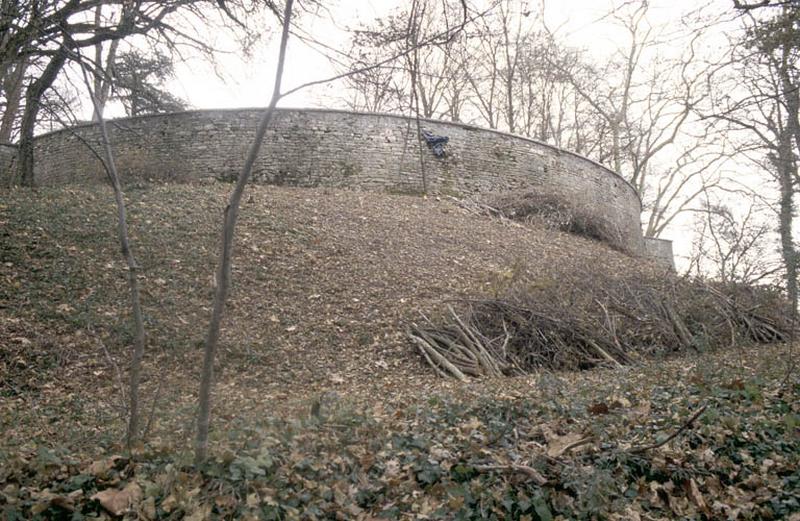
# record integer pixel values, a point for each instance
(441, 37)
(595, 320)
(732, 243)
(133, 276)
(39, 33)
(758, 4)
(757, 102)
(688, 423)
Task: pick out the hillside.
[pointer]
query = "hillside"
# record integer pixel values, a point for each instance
(325, 281)
(325, 284)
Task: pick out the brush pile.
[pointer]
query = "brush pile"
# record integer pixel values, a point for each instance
(530, 207)
(595, 320)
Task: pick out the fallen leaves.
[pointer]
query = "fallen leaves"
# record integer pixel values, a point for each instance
(515, 456)
(118, 502)
(598, 408)
(102, 468)
(693, 493)
(397, 443)
(530, 472)
(558, 445)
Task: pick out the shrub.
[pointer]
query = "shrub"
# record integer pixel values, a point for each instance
(552, 211)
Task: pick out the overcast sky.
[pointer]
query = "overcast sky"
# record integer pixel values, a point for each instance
(248, 83)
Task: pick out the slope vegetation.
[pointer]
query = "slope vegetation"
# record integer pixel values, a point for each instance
(323, 408)
(325, 281)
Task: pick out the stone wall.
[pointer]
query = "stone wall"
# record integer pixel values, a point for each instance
(8, 161)
(660, 250)
(342, 149)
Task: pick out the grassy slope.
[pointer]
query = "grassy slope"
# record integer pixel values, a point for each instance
(325, 282)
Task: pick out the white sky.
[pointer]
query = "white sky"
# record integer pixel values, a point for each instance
(248, 84)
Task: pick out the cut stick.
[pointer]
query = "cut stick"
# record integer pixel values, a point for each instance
(441, 360)
(422, 350)
(604, 353)
(486, 358)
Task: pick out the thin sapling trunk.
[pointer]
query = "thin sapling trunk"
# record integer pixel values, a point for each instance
(223, 276)
(133, 268)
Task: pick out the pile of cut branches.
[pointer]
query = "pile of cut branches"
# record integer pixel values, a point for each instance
(605, 321)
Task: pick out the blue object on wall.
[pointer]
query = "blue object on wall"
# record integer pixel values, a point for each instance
(436, 143)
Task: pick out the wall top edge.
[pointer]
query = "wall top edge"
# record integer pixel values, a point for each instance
(457, 124)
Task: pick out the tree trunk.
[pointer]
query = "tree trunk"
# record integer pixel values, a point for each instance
(12, 86)
(102, 75)
(510, 72)
(412, 42)
(133, 269)
(33, 98)
(224, 268)
(791, 96)
(102, 96)
(786, 167)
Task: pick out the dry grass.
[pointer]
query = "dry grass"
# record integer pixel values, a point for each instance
(534, 208)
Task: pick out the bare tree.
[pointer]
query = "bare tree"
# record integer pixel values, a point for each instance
(50, 34)
(378, 89)
(512, 38)
(758, 100)
(635, 112)
(483, 74)
(133, 270)
(644, 101)
(231, 213)
(223, 276)
(731, 246)
(612, 99)
(374, 90)
(434, 72)
(103, 70)
(11, 87)
(695, 169)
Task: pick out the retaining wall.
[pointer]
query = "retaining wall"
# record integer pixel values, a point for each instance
(342, 149)
(8, 161)
(660, 250)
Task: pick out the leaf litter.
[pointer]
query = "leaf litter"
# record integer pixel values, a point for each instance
(322, 409)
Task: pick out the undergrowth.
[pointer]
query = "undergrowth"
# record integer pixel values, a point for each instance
(543, 446)
(456, 458)
(554, 212)
(593, 317)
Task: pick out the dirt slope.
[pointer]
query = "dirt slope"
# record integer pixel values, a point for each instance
(325, 283)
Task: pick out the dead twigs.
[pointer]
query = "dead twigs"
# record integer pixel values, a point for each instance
(686, 425)
(530, 472)
(495, 338)
(592, 320)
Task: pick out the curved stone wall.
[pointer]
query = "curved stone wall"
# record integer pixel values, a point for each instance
(342, 149)
(8, 160)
